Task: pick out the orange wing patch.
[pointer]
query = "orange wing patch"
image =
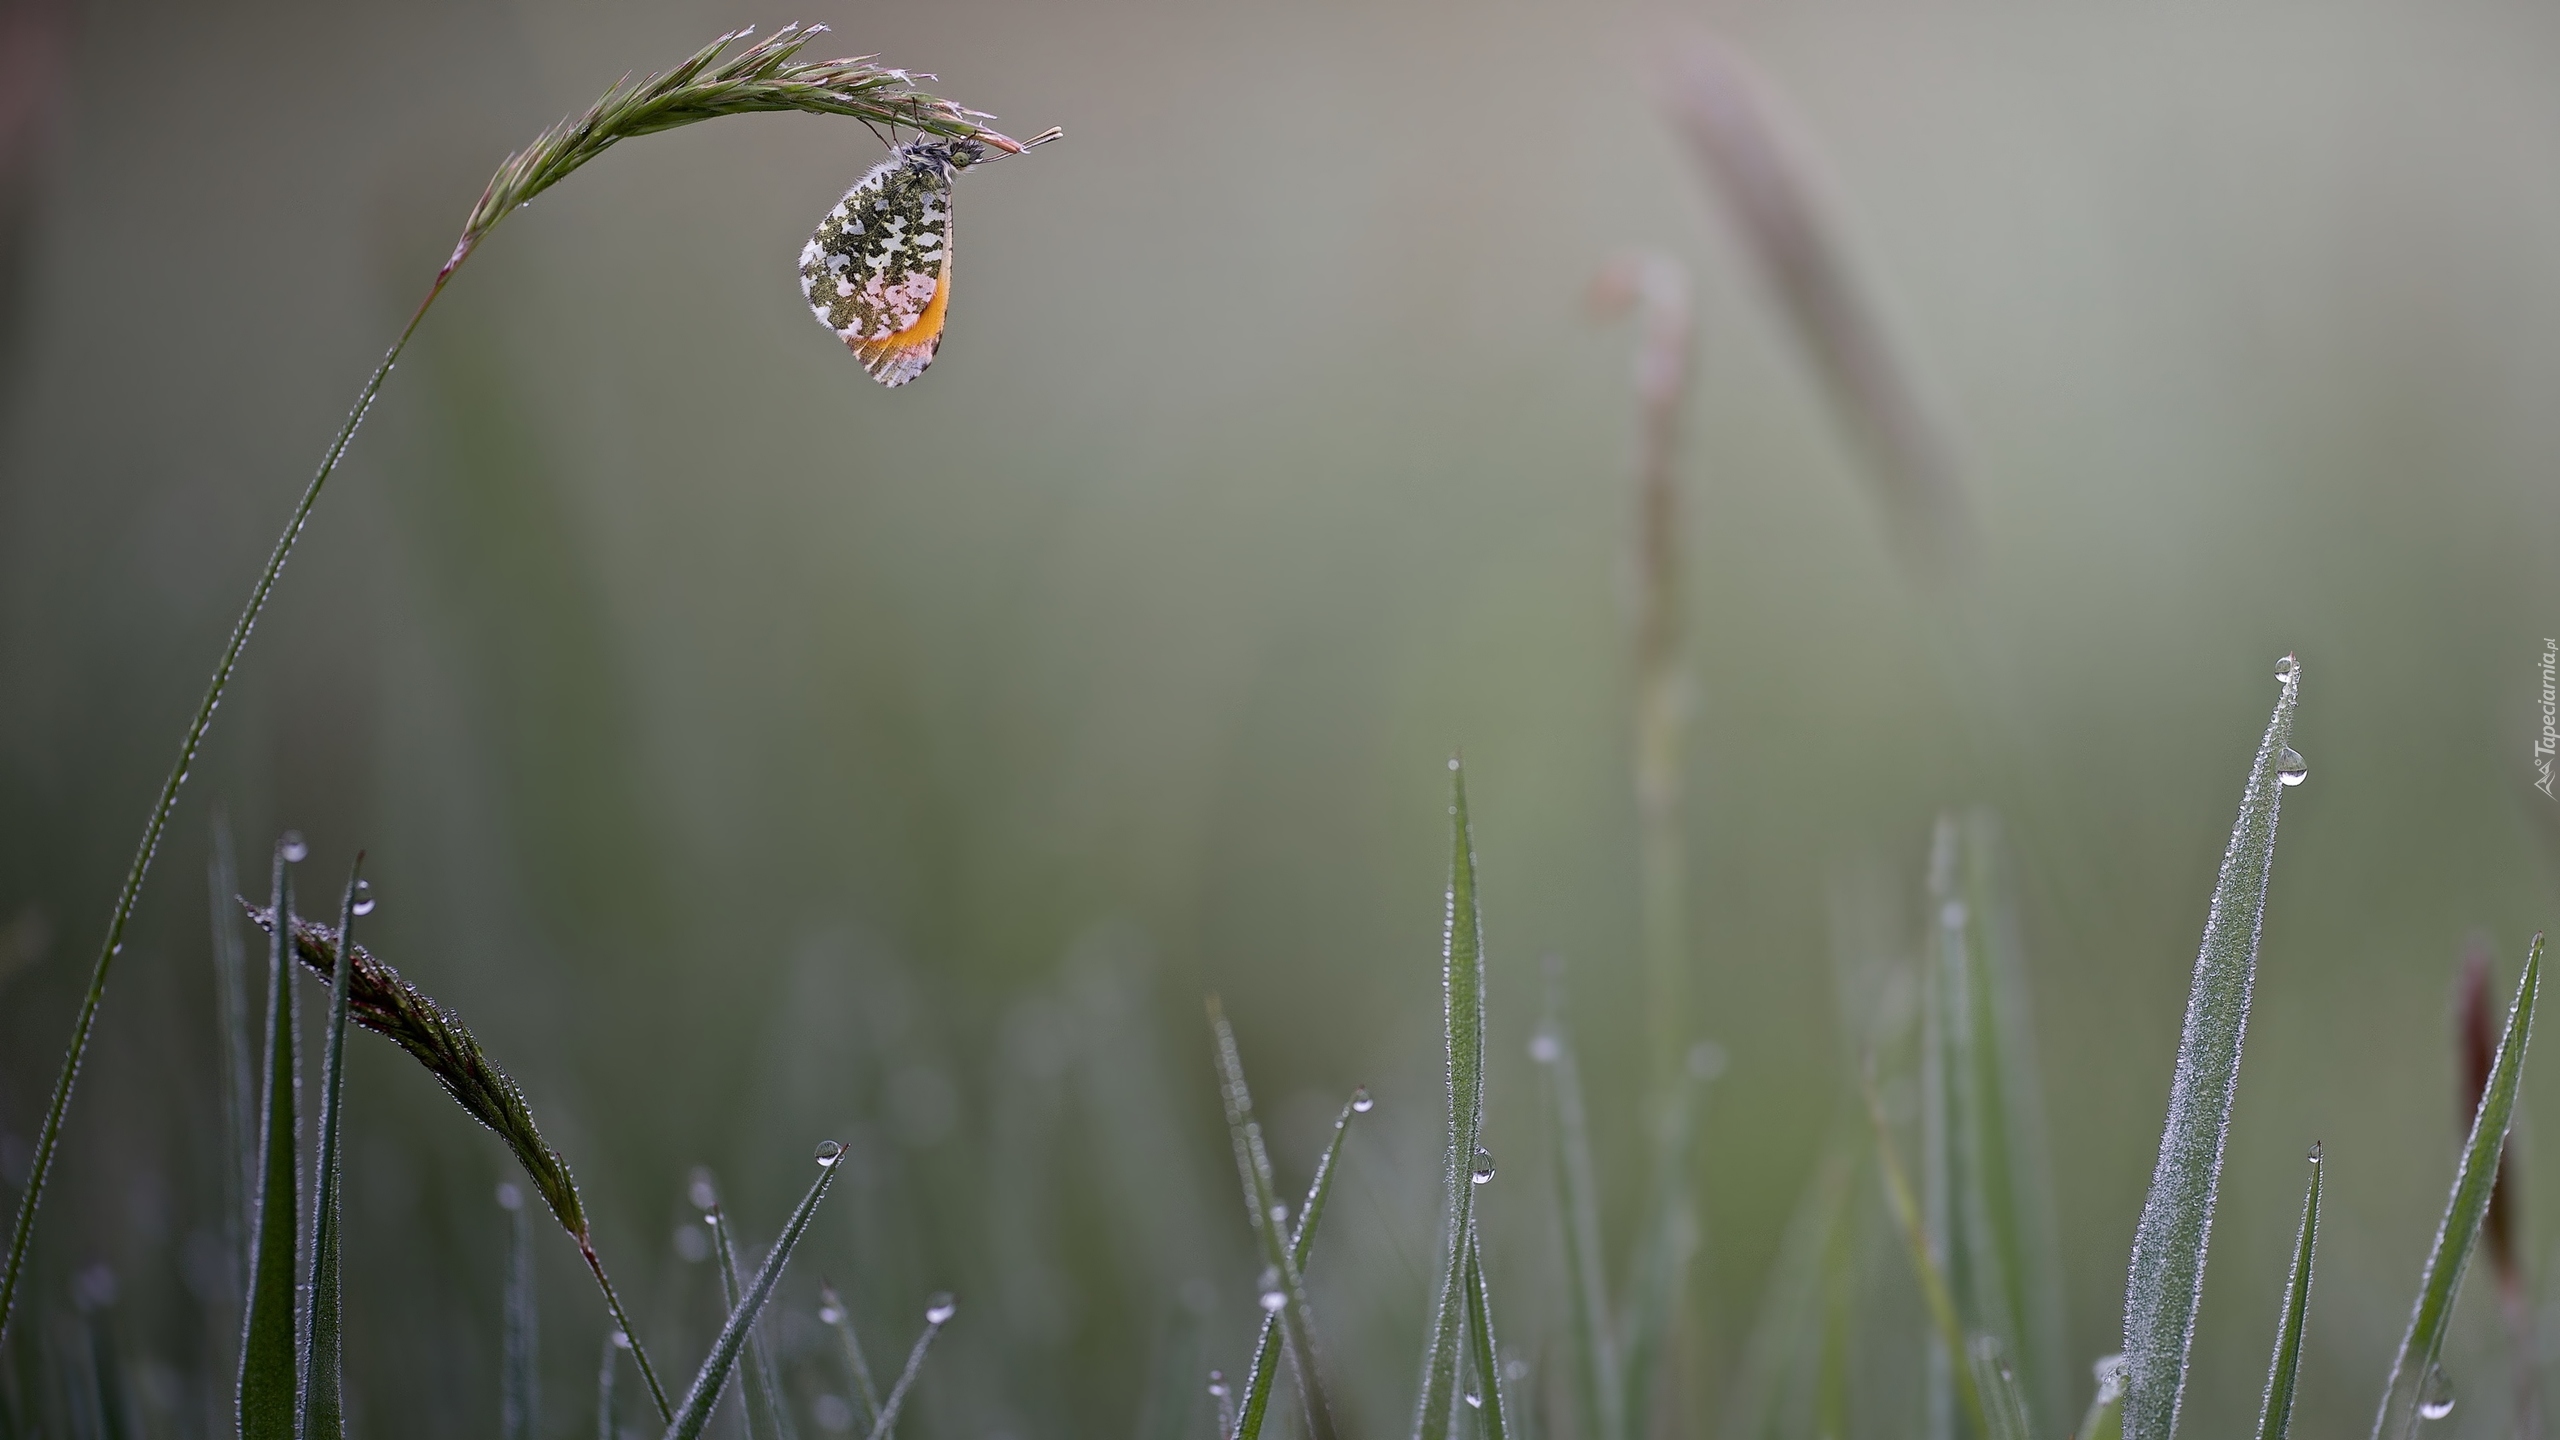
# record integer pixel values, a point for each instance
(902, 357)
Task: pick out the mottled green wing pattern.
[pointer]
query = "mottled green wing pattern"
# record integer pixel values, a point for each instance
(878, 272)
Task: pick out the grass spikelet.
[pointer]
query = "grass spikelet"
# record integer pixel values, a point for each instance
(380, 1001)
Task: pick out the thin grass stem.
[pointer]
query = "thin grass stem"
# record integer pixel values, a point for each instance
(937, 1313)
(269, 1364)
(1257, 1385)
(1283, 1290)
(322, 1413)
(833, 1312)
(2284, 1371)
(699, 1398)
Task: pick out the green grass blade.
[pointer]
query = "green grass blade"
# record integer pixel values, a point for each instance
(1266, 1350)
(2275, 1413)
(1924, 1265)
(2105, 1419)
(866, 1396)
(2415, 1379)
(1599, 1400)
(2004, 1409)
(2019, 1225)
(1794, 1323)
(1281, 1278)
(519, 1370)
(1492, 1411)
(2165, 1281)
(322, 1408)
(766, 1419)
(1462, 1012)
(268, 1368)
(1942, 1064)
(239, 1048)
(937, 1313)
(604, 1387)
(1659, 1286)
(695, 1413)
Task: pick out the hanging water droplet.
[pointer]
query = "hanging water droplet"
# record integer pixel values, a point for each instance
(1474, 1401)
(292, 847)
(1484, 1165)
(829, 1152)
(1273, 1301)
(830, 1315)
(2289, 767)
(2289, 670)
(1360, 1101)
(939, 1309)
(621, 1341)
(364, 898)
(1545, 1048)
(2435, 1394)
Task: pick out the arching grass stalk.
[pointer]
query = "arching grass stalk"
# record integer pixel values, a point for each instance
(760, 79)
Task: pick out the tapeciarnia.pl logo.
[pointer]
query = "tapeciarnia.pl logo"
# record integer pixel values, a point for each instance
(2545, 747)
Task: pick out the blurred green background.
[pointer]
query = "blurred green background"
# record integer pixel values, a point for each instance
(753, 755)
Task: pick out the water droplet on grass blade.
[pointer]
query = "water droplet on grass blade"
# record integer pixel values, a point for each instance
(1273, 1300)
(2289, 767)
(1484, 1165)
(1218, 1384)
(2435, 1395)
(2289, 670)
(1474, 1401)
(829, 1152)
(364, 898)
(830, 1315)
(1360, 1101)
(292, 847)
(940, 1309)
(621, 1341)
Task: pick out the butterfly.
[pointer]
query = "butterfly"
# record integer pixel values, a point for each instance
(878, 272)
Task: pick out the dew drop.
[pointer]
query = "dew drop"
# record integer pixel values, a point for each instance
(2289, 670)
(292, 848)
(1279, 1213)
(1544, 1048)
(1273, 1300)
(940, 1308)
(1474, 1401)
(830, 1315)
(1484, 1165)
(509, 1197)
(364, 898)
(829, 1152)
(2435, 1395)
(1218, 1384)
(2289, 767)
(1360, 1102)
(621, 1341)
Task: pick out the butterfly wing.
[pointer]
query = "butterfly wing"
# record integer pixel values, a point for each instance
(878, 272)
